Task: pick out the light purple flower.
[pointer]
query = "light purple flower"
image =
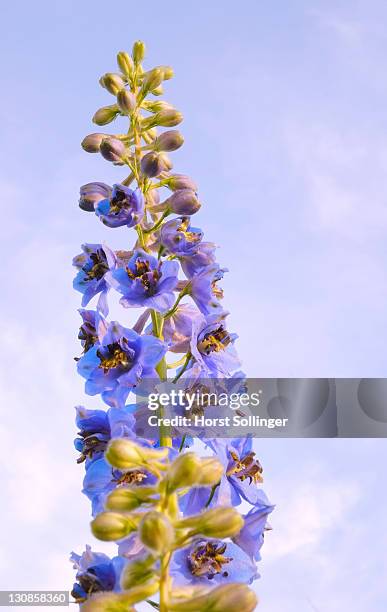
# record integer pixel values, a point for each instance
(123, 207)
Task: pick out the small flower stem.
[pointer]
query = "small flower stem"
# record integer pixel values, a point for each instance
(171, 312)
(212, 494)
(183, 369)
(159, 222)
(164, 582)
(161, 369)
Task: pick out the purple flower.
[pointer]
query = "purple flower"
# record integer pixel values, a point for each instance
(97, 428)
(212, 346)
(92, 193)
(93, 264)
(179, 238)
(215, 562)
(203, 257)
(177, 330)
(145, 281)
(251, 536)
(118, 361)
(123, 207)
(96, 572)
(94, 326)
(204, 290)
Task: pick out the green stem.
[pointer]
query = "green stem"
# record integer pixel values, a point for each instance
(164, 583)
(182, 293)
(212, 494)
(183, 369)
(159, 222)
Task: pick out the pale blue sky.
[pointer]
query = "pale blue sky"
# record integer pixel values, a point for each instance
(285, 109)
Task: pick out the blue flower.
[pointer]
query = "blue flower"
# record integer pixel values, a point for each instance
(179, 238)
(93, 263)
(201, 258)
(97, 427)
(96, 572)
(251, 536)
(146, 282)
(118, 361)
(101, 478)
(204, 291)
(124, 207)
(93, 327)
(212, 347)
(242, 473)
(212, 561)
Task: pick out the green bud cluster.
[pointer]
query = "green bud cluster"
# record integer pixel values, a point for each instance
(152, 512)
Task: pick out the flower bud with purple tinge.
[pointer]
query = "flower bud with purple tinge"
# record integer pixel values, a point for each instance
(138, 51)
(113, 150)
(126, 101)
(156, 106)
(180, 181)
(92, 142)
(153, 163)
(152, 79)
(183, 202)
(106, 114)
(168, 118)
(125, 63)
(91, 194)
(169, 141)
(112, 82)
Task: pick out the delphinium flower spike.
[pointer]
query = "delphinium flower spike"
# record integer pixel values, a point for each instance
(182, 544)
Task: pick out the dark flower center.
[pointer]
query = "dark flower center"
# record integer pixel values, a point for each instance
(183, 229)
(207, 559)
(99, 266)
(87, 335)
(214, 341)
(91, 583)
(247, 467)
(130, 478)
(149, 278)
(118, 202)
(114, 356)
(91, 444)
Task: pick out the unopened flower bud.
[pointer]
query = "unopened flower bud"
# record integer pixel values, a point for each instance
(220, 522)
(125, 63)
(158, 91)
(152, 79)
(125, 454)
(112, 526)
(127, 499)
(167, 72)
(138, 51)
(155, 106)
(156, 532)
(153, 163)
(106, 114)
(225, 598)
(169, 141)
(184, 471)
(183, 202)
(92, 142)
(211, 471)
(168, 118)
(112, 82)
(113, 150)
(180, 181)
(137, 572)
(126, 101)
